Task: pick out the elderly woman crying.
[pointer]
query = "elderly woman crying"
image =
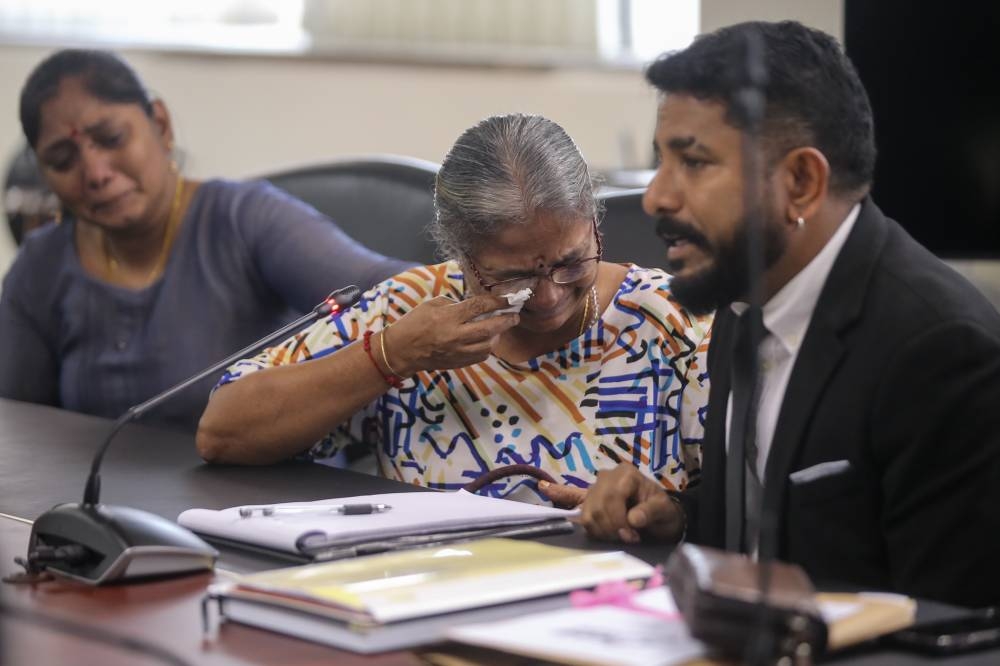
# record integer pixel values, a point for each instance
(449, 381)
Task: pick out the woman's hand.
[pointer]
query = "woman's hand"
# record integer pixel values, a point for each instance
(563, 496)
(441, 334)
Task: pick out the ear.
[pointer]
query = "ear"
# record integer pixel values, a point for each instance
(162, 124)
(806, 177)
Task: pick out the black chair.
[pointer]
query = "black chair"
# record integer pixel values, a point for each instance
(629, 234)
(27, 200)
(383, 201)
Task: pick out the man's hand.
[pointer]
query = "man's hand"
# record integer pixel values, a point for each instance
(625, 505)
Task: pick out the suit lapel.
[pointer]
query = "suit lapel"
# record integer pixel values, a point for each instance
(711, 520)
(839, 305)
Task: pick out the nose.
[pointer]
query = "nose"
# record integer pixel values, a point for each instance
(96, 165)
(546, 293)
(662, 195)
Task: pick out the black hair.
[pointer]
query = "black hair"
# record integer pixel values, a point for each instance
(104, 74)
(812, 93)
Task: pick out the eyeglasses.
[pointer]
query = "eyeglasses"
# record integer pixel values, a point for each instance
(564, 274)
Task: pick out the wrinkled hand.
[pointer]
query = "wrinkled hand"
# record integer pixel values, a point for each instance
(439, 334)
(562, 495)
(625, 505)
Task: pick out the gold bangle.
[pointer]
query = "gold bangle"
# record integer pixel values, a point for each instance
(391, 380)
(385, 357)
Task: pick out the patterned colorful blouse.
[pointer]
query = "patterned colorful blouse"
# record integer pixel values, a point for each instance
(633, 387)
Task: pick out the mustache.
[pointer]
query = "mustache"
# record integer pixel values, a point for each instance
(670, 230)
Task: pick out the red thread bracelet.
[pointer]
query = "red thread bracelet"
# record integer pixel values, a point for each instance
(392, 380)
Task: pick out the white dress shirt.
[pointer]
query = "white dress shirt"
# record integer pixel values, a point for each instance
(787, 315)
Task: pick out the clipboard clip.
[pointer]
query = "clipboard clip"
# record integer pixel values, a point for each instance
(341, 509)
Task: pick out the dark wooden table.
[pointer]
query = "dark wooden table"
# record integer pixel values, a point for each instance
(164, 614)
(45, 455)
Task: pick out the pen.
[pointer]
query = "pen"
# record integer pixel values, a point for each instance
(342, 509)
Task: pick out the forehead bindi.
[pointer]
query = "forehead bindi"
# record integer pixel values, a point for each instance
(72, 113)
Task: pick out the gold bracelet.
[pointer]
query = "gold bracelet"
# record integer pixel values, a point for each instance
(385, 357)
(391, 380)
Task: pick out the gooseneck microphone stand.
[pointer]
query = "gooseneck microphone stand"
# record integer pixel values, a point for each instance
(332, 303)
(752, 101)
(98, 543)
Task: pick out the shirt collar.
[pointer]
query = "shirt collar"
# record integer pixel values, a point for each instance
(788, 313)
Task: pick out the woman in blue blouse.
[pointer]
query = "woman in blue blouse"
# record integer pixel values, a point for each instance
(152, 276)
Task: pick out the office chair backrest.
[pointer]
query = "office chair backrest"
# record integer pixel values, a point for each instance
(382, 201)
(386, 202)
(630, 234)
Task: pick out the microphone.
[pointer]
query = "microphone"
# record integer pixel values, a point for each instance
(99, 543)
(751, 102)
(759, 612)
(774, 635)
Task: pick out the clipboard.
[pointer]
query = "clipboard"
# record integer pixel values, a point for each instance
(321, 552)
(414, 519)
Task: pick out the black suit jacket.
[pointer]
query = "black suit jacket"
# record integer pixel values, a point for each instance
(898, 374)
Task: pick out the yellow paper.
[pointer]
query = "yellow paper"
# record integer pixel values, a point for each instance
(417, 582)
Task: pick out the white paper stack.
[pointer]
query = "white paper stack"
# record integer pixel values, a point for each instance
(411, 515)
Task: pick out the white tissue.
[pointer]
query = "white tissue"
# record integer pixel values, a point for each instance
(515, 301)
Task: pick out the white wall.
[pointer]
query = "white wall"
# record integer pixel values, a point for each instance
(243, 116)
(826, 15)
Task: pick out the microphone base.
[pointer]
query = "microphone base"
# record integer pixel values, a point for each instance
(718, 594)
(99, 544)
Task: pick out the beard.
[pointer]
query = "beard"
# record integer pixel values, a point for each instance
(727, 278)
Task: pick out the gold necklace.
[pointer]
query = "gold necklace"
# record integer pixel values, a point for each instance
(585, 322)
(173, 222)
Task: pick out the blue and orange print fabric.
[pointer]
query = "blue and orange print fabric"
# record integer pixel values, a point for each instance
(632, 388)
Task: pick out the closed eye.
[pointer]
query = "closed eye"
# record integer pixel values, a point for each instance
(109, 134)
(693, 163)
(110, 140)
(60, 158)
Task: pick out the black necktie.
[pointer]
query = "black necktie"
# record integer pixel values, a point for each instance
(743, 487)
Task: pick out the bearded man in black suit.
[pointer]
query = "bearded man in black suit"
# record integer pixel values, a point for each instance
(874, 431)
